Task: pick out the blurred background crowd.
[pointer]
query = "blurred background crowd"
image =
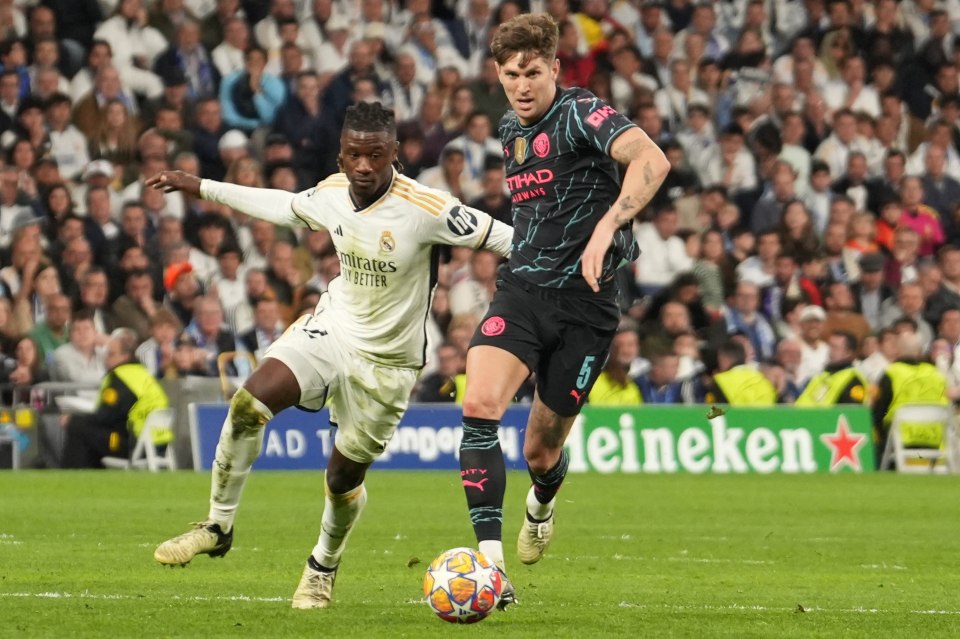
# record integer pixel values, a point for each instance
(810, 216)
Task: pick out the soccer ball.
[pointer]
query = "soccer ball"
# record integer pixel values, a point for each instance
(462, 586)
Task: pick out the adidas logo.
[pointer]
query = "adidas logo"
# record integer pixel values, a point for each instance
(338, 231)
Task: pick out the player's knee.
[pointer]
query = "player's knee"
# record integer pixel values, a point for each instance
(540, 459)
(340, 480)
(247, 413)
(483, 407)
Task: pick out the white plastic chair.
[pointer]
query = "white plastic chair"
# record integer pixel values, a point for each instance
(922, 421)
(144, 455)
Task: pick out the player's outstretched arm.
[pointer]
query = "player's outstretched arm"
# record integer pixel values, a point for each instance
(647, 168)
(272, 205)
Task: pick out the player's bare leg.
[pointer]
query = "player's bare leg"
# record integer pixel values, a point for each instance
(343, 504)
(493, 377)
(270, 389)
(547, 463)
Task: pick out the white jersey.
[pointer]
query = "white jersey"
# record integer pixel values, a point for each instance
(388, 254)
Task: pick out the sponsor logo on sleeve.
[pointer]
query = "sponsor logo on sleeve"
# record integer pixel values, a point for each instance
(493, 326)
(461, 222)
(596, 118)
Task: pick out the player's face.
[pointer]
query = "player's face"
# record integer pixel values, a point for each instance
(531, 88)
(367, 160)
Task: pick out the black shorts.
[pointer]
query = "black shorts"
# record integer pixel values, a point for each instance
(561, 336)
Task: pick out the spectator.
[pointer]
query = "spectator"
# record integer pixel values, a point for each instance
(743, 318)
(227, 52)
(207, 131)
(736, 383)
(920, 217)
(947, 295)
(448, 382)
(80, 359)
(136, 306)
(187, 56)
(51, 333)
(250, 98)
(182, 291)
(203, 340)
(128, 394)
(941, 192)
(713, 271)
(451, 175)
(471, 296)
(760, 268)
(135, 44)
(927, 385)
(156, 352)
(614, 387)
(309, 130)
(477, 145)
(908, 304)
(672, 100)
(267, 327)
(282, 276)
(664, 255)
(814, 352)
(835, 150)
(660, 385)
(870, 292)
(93, 298)
(493, 199)
(731, 164)
(212, 232)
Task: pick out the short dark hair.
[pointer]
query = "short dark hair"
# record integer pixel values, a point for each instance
(849, 339)
(370, 117)
(734, 350)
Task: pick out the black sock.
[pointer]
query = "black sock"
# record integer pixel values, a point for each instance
(484, 476)
(316, 565)
(545, 486)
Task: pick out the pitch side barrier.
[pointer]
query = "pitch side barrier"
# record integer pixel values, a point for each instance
(645, 439)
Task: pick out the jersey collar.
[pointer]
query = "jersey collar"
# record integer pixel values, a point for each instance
(357, 208)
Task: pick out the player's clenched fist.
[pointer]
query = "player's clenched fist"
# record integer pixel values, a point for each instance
(171, 181)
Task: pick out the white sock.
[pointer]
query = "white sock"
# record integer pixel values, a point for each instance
(240, 440)
(340, 513)
(492, 550)
(536, 509)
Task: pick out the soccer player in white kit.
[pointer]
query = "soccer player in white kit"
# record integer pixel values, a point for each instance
(360, 351)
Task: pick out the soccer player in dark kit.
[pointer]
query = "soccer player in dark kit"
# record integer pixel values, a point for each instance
(555, 310)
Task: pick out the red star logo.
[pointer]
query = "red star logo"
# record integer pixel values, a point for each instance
(844, 446)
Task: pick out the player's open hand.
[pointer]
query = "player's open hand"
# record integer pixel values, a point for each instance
(169, 181)
(591, 265)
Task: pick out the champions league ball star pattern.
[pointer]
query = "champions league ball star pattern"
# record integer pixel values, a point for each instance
(462, 586)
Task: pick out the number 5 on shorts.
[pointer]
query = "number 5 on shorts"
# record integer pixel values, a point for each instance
(584, 375)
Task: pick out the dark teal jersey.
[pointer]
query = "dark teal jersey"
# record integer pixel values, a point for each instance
(562, 181)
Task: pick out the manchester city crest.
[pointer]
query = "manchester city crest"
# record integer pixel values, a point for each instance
(387, 243)
(520, 150)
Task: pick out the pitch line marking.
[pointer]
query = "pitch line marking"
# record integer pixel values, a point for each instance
(418, 602)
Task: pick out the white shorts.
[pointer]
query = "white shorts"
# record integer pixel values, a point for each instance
(366, 400)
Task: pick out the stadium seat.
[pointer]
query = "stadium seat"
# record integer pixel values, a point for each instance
(144, 455)
(920, 440)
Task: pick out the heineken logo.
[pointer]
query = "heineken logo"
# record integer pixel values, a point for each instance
(671, 440)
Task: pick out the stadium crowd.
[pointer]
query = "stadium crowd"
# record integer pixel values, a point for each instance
(813, 196)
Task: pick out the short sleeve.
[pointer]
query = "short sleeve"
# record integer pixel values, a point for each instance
(594, 121)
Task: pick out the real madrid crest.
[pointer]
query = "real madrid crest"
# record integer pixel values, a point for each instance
(387, 243)
(520, 150)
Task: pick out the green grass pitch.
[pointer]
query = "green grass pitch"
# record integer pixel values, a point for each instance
(653, 556)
